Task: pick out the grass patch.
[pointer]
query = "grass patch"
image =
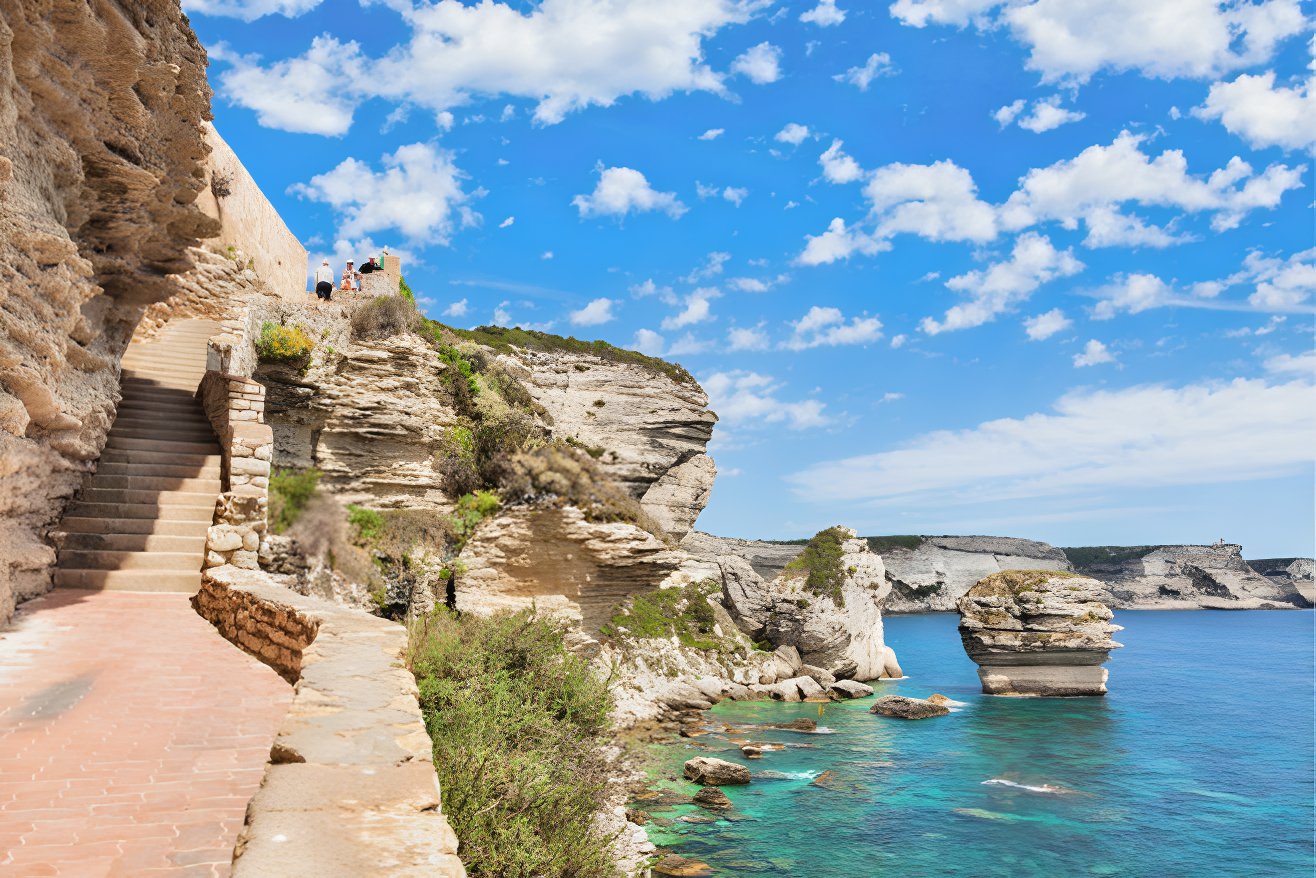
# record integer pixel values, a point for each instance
(404, 289)
(367, 524)
(1012, 583)
(561, 473)
(683, 612)
(820, 562)
(1087, 556)
(519, 725)
(290, 491)
(879, 545)
(471, 510)
(283, 344)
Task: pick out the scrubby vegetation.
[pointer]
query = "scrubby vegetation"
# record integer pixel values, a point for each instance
(820, 562)
(283, 344)
(890, 543)
(519, 724)
(385, 316)
(1088, 556)
(560, 473)
(681, 612)
(290, 491)
(1011, 583)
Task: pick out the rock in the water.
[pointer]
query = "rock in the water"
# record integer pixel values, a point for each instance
(749, 751)
(680, 867)
(907, 708)
(709, 771)
(850, 689)
(796, 725)
(1038, 633)
(939, 699)
(821, 676)
(713, 799)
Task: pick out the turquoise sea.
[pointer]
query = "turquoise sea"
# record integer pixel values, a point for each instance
(1198, 763)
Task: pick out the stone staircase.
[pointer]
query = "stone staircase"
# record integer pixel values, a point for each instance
(139, 522)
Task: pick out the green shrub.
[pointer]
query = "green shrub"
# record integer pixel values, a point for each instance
(385, 316)
(820, 562)
(290, 491)
(891, 543)
(684, 612)
(519, 726)
(557, 471)
(367, 523)
(283, 344)
(404, 289)
(471, 510)
(1087, 556)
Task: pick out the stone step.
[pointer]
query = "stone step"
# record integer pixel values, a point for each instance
(147, 456)
(162, 470)
(92, 542)
(77, 559)
(166, 432)
(132, 443)
(181, 582)
(185, 403)
(176, 421)
(151, 511)
(82, 524)
(138, 482)
(160, 373)
(152, 498)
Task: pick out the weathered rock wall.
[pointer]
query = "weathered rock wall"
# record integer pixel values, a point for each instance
(102, 156)
(767, 558)
(1188, 577)
(1289, 574)
(934, 576)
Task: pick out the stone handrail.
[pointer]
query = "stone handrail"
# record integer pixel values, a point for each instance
(350, 790)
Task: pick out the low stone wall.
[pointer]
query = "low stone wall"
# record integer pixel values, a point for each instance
(350, 790)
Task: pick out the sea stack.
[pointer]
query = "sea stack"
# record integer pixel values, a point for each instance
(1038, 632)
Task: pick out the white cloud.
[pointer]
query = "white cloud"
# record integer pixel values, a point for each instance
(1132, 293)
(712, 134)
(1007, 114)
(839, 167)
(1045, 325)
(937, 201)
(1093, 354)
(649, 288)
(741, 397)
(249, 10)
(1091, 440)
(419, 193)
(751, 338)
(460, 308)
(828, 327)
(735, 194)
(1101, 177)
(596, 312)
(622, 190)
(698, 309)
(1263, 115)
(1277, 285)
(794, 133)
(712, 267)
(688, 344)
(1002, 285)
(1282, 284)
(647, 341)
(891, 397)
(507, 222)
(308, 95)
(1074, 39)
(754, 284)
(501, 316)
(1048, 114)
(825, 14)
(878, 64)
(898, 341)
(761, 64)
(1303, 364)
(547, 254)
(838, 242)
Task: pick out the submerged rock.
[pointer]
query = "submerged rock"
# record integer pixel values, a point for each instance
(803, 724)
(680, 867)
(849, 689)
(709, 771)
(1038, 633)
(907, 708)
(712, 798)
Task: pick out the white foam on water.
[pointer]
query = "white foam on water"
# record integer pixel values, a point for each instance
(1045, 788)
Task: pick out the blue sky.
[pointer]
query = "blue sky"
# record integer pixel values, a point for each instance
(1041, 268)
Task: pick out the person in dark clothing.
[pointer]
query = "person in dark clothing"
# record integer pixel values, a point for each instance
(324, 282)
(371, 266)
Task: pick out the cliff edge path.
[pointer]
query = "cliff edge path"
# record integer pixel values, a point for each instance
(131, 734)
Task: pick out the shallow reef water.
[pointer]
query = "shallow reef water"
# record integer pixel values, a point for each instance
(1199, 762)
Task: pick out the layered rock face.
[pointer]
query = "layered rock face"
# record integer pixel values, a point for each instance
(1038, 633)
(1290, 575)
(1187, 577)
(652, 430)
(102, 156)
(936, 574)
(767, 558)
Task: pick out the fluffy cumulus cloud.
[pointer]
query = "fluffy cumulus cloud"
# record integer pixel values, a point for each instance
(621, 191)
(793, 133)
(712, 134)
(249, 10)
(1272, 283)
(838, 243)
(1074, 39)
(748, 338)
(837, 166)
(746, 398)
(1046, 114)
(646, 341)
(825, 14)
(878, 64)
(828, 327)
(564, 54)
(459, 308)
(1254, 108)
(1104, 440)
(1032, 262)
(938, 202)
(759, 64)
(697, 308)
(597, 312)
(1047, 324)
(1303, 364)
(418, 192)
(1094, 353)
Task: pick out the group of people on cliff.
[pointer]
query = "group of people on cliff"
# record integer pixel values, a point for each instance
(351, 277)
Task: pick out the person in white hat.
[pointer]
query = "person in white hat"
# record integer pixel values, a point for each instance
(324, 281)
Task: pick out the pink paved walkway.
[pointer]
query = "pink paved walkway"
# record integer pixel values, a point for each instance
(131, 737)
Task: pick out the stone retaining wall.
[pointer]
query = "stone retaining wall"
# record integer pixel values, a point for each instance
(350, 790)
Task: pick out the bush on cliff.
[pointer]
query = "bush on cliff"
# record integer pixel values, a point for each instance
(820, 562)
(385, 316)
(283, 344)
(561, 473)
(290, 491)
(519, 725)
(664, 612)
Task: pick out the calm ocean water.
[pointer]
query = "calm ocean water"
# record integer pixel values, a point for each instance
(1199, 762)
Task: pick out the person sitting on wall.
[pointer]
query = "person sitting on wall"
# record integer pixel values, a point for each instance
(349, 277)
(324, 281)
(371, 266)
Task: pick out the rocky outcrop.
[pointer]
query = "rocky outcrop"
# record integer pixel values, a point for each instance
(901, 707)
(935, 573)
(1290, 575)
(101, 159)
(649, 430)
(1183, 577)
(1038, 633)
(708, 771)
(766, 558)
(838, 629)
